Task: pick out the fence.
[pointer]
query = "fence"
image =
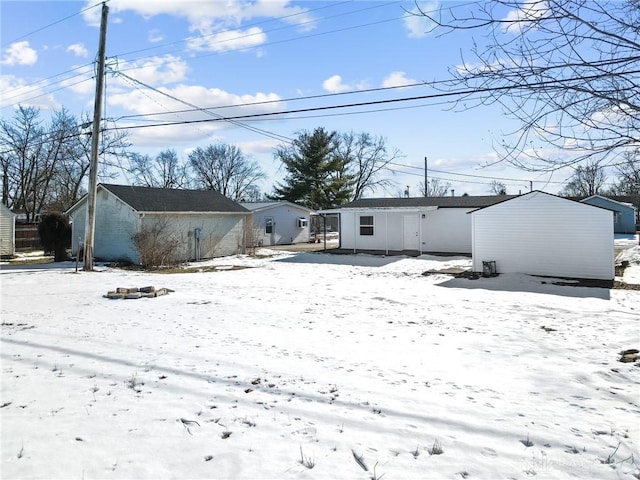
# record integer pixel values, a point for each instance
(27, 236)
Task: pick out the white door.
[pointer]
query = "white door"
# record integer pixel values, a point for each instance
(411, 237)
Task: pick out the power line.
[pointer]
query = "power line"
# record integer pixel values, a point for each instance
(49, 25)
(468, 92)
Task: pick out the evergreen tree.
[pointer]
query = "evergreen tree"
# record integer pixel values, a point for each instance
(55, 234)
(317, 174)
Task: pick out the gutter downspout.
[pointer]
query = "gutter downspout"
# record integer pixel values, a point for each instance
(354, 232)
(386, 232)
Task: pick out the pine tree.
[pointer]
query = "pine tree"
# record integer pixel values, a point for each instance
(317, 175)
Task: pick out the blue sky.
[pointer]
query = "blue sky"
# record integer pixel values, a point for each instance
(239, 55)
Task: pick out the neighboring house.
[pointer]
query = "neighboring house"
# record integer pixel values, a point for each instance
(7, 231)
(410, 225)
(205, 223)
(279, 222)
(624, 219)
(543, 234)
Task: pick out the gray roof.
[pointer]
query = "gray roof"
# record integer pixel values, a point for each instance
(440, 202)
(256, 206)
(149, 199)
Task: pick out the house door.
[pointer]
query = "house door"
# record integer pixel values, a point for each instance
(411, 233)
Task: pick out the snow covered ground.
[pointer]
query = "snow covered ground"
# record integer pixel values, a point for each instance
(317, 366)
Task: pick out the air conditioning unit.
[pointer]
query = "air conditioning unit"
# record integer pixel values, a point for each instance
(302, 222)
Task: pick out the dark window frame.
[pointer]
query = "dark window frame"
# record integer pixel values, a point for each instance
(367, 225)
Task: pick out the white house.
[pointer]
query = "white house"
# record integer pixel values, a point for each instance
(410, 225)
(542, 234)
(204, 223)
(279, 222)
(7, 231)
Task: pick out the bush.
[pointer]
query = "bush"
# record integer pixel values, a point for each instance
(54, 231)
(156, 246)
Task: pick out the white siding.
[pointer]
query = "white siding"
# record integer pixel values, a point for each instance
(286, 230)
(7, 231)
(220, 235)
(541, 234)
(447, 230)
(117, 223)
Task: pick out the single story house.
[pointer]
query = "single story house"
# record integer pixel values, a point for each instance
(278, 223)
(7, 231)
(202, 223)
(543, 234)
(410, 225)
(624, 219)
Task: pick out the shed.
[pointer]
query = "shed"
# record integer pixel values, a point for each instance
(278, 222)
(7, 231)
(624, 219)
(202, 223)
(543, 234)
(412, 225)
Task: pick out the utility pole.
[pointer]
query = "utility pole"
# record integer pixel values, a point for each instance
(531, 185)
(426, 185)
(90, 224)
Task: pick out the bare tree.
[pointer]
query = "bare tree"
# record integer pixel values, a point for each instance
(225, 169)
(497, 188)
(165, 171)
(367, 158)
(436, 187)
(628, 170)
(44, 166)
(586, 181)
(566, 70)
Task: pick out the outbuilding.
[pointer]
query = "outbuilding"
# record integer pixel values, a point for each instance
(7, 231)
(412, 226)
(543, 234)
(624, 218)
(200, 223)
(278, 223)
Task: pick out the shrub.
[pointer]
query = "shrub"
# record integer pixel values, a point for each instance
(54, 231)
(156, 246)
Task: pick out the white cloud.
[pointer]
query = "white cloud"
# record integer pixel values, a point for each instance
(15, 91)
(334, 84)
(78, 49)
(144, 101)
(229, 40)
(155, 71)
(397, 79)
(19, 53)
(155, 36)
(519, 19)
(258, 147)
(417, 24)
(215, 18)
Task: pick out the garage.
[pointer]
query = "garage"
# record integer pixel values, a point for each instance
(543, 234)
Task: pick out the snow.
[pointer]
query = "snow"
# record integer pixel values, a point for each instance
(314, 358)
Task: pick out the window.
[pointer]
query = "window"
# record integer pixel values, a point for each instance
(268, 225)
(302, 222)
(366, 225)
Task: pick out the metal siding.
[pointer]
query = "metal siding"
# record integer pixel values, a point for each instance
(541, 234)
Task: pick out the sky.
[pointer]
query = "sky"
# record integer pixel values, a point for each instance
(279, 59)
(288, 365)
